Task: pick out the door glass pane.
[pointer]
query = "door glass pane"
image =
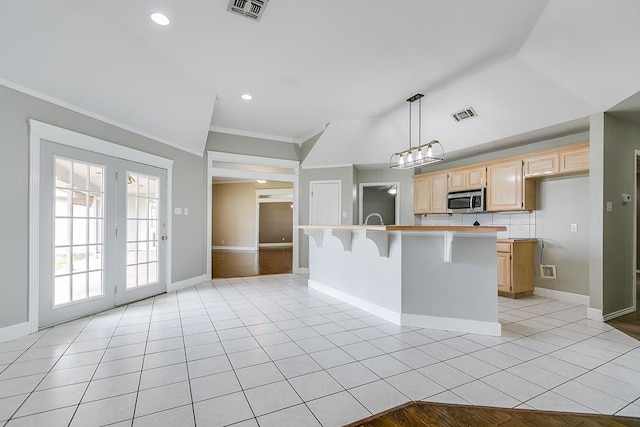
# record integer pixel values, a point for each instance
(142, 234)
(63, 173)
(62, 290)
(79, 287)
(78, 231)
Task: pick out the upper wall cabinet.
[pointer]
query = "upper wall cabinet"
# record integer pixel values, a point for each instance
(421, 193)
(510, 182)
(541, 165)
(507, 189)
(467, 179)
(572, 159)
(575, 159)
(430, 193)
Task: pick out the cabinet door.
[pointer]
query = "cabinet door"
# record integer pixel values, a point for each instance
(574, 160)
(421, 194)
(504, 186)
(477, 177)
(504, 271)
(438, 201)
(545, 164)
(458, 180)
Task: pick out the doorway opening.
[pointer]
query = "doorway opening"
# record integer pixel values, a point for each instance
(252, 228)
(630, 322)
(241, 253)
(379, 203)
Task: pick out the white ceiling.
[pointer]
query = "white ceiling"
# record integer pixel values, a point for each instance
(523, 65)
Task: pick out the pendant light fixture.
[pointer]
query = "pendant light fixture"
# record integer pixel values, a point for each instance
(422, 154)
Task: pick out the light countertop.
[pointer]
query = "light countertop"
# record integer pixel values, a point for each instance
(412, 228)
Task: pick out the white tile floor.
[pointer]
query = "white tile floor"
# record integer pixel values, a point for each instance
(268, 351)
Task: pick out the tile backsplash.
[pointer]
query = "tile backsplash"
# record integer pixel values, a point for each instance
(520, 225)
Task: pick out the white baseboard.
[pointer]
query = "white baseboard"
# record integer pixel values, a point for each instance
(367, 306)
(275, 245)
(594, 314)
(562, 296)
(452, 324)
(187, 282)
(15, 331)
(302, 270)
(233, 248)
(619, 313)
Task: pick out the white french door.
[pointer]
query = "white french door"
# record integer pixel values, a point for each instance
(101, 223)
(142, 231)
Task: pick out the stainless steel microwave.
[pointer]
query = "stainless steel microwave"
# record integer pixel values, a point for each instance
(466, 201)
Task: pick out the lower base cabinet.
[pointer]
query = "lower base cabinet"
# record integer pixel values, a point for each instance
(515, 267)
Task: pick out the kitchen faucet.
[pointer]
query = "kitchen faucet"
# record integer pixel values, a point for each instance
(373, 214)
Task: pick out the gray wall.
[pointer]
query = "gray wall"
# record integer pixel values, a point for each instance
(560, 202)
(188, 191)
(621, 138)
(249, 146)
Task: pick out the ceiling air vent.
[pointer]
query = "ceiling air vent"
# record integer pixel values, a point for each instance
(252, 9)
(467, 113)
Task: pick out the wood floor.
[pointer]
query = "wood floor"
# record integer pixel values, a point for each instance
(226, 264)
(419, 414)
(629, 323)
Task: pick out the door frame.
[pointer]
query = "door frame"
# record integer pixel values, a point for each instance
(251, 167)
(326, 181)
(43, 131)
(634, 198)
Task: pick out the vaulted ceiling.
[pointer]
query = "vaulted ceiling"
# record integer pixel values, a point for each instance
(341, 67)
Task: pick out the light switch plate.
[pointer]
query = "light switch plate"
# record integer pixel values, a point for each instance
(609, 206)
(574, 228)
(177, 211)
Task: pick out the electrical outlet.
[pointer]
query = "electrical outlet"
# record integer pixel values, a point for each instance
(186, 211)
(609, 206)
(574, 228)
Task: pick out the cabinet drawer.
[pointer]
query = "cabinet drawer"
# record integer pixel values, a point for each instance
(504, 247)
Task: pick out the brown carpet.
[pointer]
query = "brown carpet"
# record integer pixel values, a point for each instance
(420, 414)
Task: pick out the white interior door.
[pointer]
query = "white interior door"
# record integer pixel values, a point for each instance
(77, 239)
(142, 231)
(325, 203)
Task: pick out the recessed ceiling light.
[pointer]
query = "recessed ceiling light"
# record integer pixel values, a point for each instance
(160, 18)
(261, 181)
(247, 97)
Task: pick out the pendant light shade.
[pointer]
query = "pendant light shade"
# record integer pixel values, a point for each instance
(422, 154)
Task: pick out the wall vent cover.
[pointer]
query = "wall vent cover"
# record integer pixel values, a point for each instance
(252, 9)
(467, 113)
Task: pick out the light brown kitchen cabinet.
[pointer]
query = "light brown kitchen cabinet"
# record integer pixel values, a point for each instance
(421, 193)
(506, 188)
(467, 179)
(430, 193)
(575, 159)
(515, 267)
(457, 180)
(439, 190)
(541, 165)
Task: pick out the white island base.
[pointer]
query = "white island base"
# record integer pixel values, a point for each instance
(422, 276)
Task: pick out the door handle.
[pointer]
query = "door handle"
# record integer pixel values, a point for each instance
(164, 237)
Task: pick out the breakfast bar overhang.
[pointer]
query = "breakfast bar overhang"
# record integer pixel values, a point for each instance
(436, 277)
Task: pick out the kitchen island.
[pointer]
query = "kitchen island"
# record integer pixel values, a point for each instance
(436, 277)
